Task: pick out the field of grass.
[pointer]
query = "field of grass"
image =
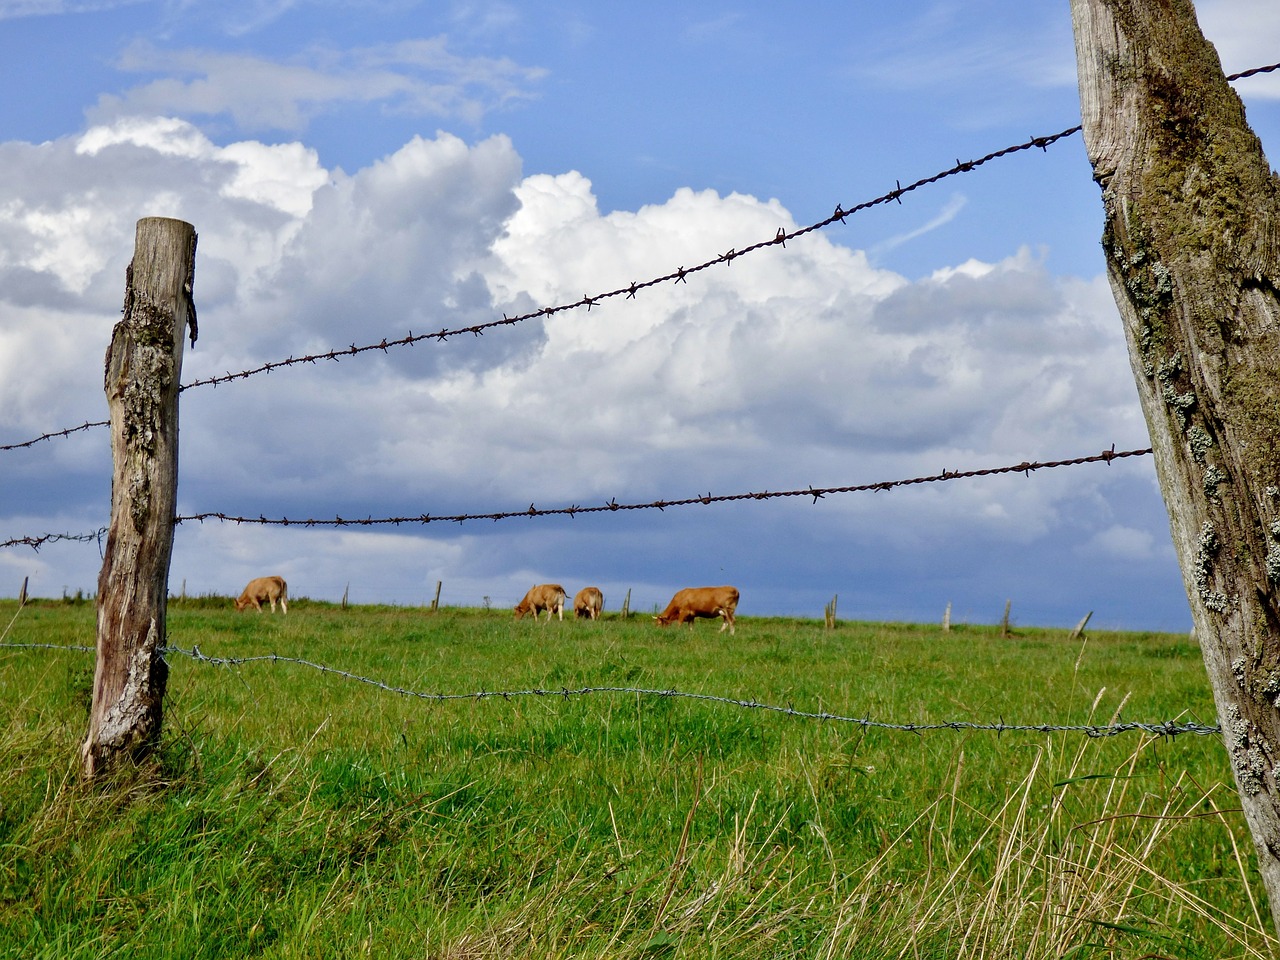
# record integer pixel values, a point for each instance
(298, 813)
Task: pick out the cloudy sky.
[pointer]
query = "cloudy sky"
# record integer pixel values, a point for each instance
(360, 169)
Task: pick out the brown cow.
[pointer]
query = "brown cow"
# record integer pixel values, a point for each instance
(693, 602)
(545, 596)
(265, 588)
(588, 603)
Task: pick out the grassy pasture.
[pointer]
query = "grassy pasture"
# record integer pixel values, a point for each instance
(294, 813)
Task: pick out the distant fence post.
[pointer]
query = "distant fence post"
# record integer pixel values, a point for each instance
(143, 370)
(345, 591)
(626, 605)
(1075, 634)
(435, 604)
(946, 619)
(22, 594)
(1004, 623)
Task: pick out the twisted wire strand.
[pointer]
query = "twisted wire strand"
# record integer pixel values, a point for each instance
(1167, 728)
(817, 493)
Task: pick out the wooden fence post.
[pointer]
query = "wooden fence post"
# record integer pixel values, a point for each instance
(626, 605)
(22, 594)
(1190, 206)
(1075, 634)
(946, 619)
(1004, 622)
(435, 604)
(143, 368)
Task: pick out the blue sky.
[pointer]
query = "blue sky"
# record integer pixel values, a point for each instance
(359, 170)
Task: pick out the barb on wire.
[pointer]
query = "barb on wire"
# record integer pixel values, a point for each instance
(1167, 728)
(573, 510)
(629, 291)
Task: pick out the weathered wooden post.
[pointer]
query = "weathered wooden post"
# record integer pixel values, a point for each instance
(1192, 241)
(1079, 628)
(1004, 621)
(946, 618)
(143, 367)
(435, 603)
(22, 594)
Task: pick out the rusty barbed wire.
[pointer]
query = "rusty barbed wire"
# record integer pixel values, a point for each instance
(56, 433)
(1167, 728)
(35, 543)
(818, 493)
(680, 275)
(1026, 467)
(1254, 72)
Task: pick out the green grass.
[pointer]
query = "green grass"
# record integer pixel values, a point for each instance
(293, 813)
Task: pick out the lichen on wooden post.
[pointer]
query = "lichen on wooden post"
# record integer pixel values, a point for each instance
(142, 376)
(1191, 214)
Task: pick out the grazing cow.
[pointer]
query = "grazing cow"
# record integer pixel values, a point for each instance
(693, 602)
(265, 588)
(545, 596)
(588, 603)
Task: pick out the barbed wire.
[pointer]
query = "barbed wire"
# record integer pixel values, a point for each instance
(817, 493)
(1254, 72)
(35, 543)
(1167, 728)
(56, 433)
(680, 275)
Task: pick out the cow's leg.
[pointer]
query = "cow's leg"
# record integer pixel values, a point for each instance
(284, 606)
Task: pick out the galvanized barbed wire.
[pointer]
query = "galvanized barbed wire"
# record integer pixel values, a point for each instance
(35, 543)
(1167, 728)
(679, 276)
(817, 493)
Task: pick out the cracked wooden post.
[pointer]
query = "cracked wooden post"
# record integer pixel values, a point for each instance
(1192, 240)
(143, 368)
